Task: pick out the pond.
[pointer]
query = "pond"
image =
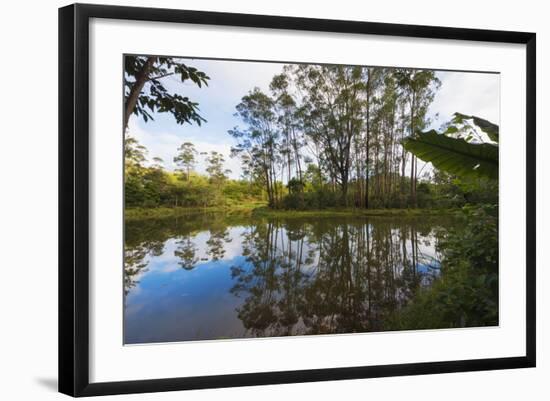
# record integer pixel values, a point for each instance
(218, 276)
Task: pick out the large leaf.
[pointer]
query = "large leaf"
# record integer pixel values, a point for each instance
(455, 156)
(486, 126)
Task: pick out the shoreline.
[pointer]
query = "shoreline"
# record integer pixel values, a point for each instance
(264, 211)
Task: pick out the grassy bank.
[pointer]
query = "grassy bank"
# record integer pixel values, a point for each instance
(266, 212)
(260, 210)
(163, 212)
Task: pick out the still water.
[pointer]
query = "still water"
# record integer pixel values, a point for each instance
(216, 276)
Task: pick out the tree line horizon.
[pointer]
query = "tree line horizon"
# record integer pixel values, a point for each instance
(321, 136)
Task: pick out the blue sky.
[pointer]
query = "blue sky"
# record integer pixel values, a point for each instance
(466, 92)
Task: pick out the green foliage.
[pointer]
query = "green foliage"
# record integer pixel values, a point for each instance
(316, 200)
(466, 294)
(419, 87)
(455, 155)
(295, 185)
(145, 93)
(215, 168)
(322, 137)
(445, 190)
(332, 114)
(313, 178)
(239, 192)
(488, 127)
(133, 151)
(344, 124)
(186, 157)
(482, 229)
(153, 187)
(257, 143)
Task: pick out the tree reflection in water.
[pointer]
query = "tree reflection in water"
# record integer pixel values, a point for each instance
(329, 276)
(289, 276)
(186, 252)
(135, 262)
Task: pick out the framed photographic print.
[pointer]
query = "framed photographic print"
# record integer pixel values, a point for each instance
(249, 199)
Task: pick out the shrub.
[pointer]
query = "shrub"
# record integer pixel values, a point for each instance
(466, 293)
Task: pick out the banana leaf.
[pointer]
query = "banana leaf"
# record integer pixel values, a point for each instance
(486, 126)
(454, 155)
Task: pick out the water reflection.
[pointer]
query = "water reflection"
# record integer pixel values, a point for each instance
(214, 276)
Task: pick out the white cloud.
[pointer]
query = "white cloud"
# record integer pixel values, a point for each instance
(230, 81)
(164, 144)
(467, 93)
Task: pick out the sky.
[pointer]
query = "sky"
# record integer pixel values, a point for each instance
(466, 92)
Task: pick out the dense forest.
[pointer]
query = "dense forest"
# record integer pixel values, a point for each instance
(150, 185)
(323, 136)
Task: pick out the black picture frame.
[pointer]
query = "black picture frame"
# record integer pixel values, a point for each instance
(74, 198)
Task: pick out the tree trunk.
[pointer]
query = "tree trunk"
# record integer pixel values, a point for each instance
(133, 96)
(413, 157)
(367, 147)
(288, 155)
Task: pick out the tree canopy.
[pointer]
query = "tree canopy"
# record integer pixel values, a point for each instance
(146, 92)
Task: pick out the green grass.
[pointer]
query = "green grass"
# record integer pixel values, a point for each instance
(261, 210)
(264, 211)
(138, 213)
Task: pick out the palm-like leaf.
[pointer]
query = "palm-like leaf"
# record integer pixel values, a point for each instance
(455, 155)
(486, 126)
